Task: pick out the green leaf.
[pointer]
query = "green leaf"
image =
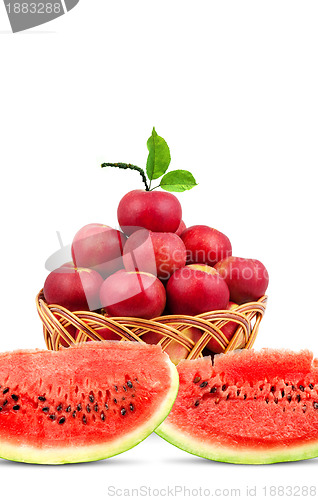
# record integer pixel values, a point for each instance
(178, 181)
(159, 156)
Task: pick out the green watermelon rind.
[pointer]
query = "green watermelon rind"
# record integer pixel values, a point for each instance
(216, 453)
(64, 455)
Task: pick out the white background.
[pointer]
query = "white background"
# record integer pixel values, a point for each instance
(232, 87)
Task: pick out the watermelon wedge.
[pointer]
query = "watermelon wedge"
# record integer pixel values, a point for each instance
(249, 407)
(82, 403)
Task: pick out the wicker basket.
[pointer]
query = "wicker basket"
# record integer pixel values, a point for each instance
(60, 325)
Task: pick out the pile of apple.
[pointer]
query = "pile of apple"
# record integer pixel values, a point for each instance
(155, 266)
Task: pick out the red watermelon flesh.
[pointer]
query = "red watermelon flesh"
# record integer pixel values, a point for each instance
(82, 403)
(249, 407)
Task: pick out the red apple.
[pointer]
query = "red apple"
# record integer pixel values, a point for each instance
(228, 330)
(182, 227)
(247, 279)
(134, 294)
(156, 253)
(99, 247)
(157, 211)
(205, 245)
(105, 333)
(176, 351)
(75, 289)
(196, 289)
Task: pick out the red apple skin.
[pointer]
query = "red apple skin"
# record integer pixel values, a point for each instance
(175, 350)
(205, 245)
(182, 227)
(228, 330)
(157, 253)
(99, 247)
(158, 211)
(196, 289)
(105, 333)
(247, 279)
(134, 294)
(75, 289)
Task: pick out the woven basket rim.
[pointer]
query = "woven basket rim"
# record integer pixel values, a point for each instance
(56, 319)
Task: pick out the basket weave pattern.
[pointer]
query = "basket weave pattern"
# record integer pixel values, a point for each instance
(60, 325)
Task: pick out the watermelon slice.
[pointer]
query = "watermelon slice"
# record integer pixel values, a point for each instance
(83, 403)
(249, 407)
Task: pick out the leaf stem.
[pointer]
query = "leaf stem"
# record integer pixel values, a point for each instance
(129, 166)
(156, 187)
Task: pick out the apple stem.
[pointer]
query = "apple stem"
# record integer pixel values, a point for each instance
(130, 167)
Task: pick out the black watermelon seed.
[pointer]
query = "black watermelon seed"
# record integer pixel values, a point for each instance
(315, 405)
(238, 392)
(88, 409)
(311, 386)
(123, 398)
(74, 414)
(16, 407)
(204, 384)
(302, 388)
(79, 407)
(5, 390)
(304, 408)
(223, 387)
(197, 403)
(133, 395)
(283, 393)
(15, 397)
(41, 398)
(129, 384)
(46, 409)
(227, 397)
(5, 402)
(106, 406)
(298, 398)
(62, 420)
(273, 388)
(245, 396)
(267, 400)
(213, 390)
(276, 401)
(102, 416)
(0, 408)
(115, 401)
(91, 398)
(131, 407)
(293, 387)
(125, 388)
(123, 411)
(84, 420)
(96, 407)
(59, 407)
(52, 417)
(68, 409)
(289, 397)
(116, 388)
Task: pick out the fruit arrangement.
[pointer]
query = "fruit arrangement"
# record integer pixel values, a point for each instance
(155, 281)
(155, 268)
